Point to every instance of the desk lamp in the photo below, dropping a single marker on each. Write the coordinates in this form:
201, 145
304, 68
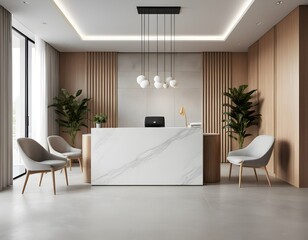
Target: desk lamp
183, 113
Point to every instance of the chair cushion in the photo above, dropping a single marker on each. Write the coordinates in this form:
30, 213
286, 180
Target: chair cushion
54, 163
238, 159
72, 154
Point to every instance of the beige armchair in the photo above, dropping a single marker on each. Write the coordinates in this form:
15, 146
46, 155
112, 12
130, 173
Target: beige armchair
255, 155
58, 146
39, 160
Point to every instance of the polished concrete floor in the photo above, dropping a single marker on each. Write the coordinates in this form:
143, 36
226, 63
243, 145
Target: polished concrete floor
218, 211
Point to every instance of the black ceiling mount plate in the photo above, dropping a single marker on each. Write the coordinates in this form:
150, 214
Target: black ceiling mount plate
158, 10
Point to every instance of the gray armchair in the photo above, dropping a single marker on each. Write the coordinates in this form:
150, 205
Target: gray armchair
255, 155
38, 160
58, 146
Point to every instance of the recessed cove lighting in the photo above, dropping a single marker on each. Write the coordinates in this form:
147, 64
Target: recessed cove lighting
279, 2
236, 19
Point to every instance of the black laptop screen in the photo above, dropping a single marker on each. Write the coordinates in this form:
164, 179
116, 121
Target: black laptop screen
152, 121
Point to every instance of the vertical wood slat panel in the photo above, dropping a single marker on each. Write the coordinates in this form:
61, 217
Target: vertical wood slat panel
266, 87
253, 71
216, 80
287, 128
101, 81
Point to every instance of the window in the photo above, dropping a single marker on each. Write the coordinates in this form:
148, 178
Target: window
22, 55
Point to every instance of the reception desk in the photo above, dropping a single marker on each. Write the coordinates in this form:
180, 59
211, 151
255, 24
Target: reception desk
146, 156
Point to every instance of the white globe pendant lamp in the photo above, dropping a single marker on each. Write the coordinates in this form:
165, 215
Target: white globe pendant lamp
157, 78
145, 83
158, 84
168, 79
144, 11
140, 78
173, 83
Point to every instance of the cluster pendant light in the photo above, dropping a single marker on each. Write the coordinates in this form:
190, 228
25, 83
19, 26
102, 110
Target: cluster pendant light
143, 79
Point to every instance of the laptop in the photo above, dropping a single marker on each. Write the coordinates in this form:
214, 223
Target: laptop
154, 121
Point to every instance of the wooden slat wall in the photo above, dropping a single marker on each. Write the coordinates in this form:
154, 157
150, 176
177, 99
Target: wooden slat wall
282, 84
72, 69
101, 79
239, 76
266, 87
281, 77
287, 99
253, 66
216, 80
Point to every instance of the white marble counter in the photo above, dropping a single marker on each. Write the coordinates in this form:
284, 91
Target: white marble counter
146, 156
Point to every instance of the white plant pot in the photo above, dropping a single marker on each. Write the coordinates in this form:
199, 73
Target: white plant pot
98, 125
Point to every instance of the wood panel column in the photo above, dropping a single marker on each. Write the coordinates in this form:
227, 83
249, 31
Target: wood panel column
266, 87
287, 99
101, 78
217, 77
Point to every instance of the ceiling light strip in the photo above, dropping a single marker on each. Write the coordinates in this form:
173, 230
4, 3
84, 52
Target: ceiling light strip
69, 17
153, 38
246, 5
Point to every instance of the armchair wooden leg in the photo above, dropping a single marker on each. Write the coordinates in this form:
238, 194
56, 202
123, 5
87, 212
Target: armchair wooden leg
256, 174
53, 181
80, 164
26, 181
240, 175
267, 176
230, 171
42, 174
70, 162
65, 173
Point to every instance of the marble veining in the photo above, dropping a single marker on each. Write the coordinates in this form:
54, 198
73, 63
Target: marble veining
191, 175
146, 156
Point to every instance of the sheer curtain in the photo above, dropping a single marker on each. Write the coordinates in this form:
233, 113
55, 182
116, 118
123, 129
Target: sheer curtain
6, 163
44, 88
38, 114
52, 83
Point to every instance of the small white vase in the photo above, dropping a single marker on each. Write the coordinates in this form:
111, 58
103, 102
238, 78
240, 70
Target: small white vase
98, 125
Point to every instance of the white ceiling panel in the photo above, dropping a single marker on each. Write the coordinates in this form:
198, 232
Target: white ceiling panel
109, 18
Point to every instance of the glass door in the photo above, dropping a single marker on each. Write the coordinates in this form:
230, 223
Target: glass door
22, 57
19, 96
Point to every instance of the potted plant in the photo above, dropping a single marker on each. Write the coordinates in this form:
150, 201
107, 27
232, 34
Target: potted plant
71, 112
241, 113
99, 119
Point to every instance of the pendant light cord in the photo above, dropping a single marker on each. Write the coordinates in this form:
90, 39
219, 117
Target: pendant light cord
157, 46
148, 46
144, 43
171, 45
164, 46
141, 46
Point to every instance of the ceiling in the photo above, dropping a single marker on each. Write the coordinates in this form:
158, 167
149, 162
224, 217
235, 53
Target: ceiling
114, 25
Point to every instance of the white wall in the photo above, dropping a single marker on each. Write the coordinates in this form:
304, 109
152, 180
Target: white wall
134, 103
